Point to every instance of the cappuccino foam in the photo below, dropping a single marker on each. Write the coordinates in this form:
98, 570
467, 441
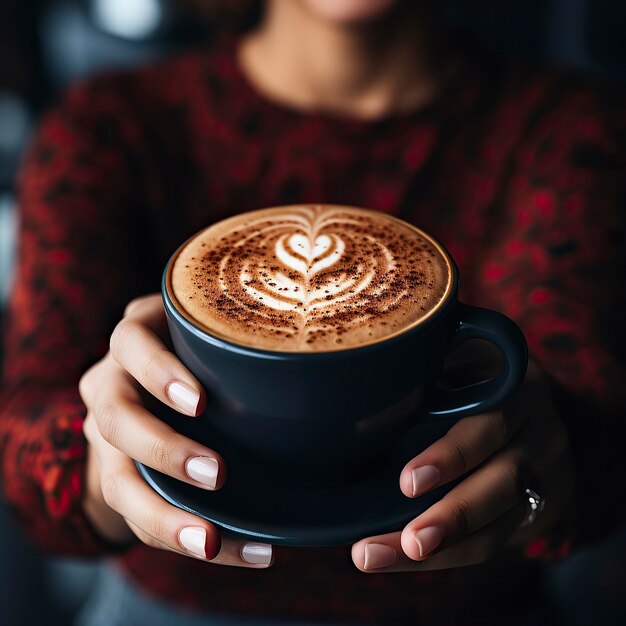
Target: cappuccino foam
308, 278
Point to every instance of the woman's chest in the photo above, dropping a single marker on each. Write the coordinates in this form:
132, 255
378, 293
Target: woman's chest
451, 185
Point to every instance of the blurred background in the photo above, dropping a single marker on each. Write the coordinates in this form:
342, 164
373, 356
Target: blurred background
46, 44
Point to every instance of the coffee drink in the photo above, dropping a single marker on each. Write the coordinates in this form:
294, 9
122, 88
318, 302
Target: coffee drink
309, 278
319, 333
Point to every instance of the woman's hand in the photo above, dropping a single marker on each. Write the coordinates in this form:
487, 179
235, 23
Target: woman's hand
524, 445
119, 429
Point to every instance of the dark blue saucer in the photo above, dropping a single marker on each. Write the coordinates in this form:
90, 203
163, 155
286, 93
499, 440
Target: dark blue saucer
255, 506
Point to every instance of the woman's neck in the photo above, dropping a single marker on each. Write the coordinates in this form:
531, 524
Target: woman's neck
364, 71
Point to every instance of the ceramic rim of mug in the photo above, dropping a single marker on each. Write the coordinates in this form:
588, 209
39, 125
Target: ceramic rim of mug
172, 304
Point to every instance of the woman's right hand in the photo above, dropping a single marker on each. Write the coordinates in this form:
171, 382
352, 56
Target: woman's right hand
119, 429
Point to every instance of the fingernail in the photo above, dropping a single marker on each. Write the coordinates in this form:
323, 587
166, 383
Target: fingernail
257, 553
428, 539
204, 469
378, 555
424, 478
183, 396
193, 539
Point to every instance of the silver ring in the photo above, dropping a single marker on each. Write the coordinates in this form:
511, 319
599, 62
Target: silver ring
536, 503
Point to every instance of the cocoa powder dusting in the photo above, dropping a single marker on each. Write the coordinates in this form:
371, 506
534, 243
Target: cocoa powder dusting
309, 278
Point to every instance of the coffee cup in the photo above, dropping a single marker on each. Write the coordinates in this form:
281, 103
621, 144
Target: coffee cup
323, 411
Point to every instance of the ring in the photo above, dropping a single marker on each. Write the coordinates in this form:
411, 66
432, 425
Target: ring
536, 506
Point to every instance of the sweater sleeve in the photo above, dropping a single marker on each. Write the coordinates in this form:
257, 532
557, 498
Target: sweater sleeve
556, 266
75, 271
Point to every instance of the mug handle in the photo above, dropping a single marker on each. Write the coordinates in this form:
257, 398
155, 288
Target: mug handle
478, 323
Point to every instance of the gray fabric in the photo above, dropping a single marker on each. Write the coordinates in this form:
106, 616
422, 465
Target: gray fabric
115, 601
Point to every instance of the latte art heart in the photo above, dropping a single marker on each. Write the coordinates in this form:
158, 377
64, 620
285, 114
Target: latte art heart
299, 253
309, 278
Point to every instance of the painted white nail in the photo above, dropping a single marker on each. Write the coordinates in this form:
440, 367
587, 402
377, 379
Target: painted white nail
204, 469
257, 553
424, 478
378, 555
193, 539
428, 539
183, 396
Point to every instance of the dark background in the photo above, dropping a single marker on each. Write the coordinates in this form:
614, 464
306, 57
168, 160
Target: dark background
46, 44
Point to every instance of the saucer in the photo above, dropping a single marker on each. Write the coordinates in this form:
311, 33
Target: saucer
254, 506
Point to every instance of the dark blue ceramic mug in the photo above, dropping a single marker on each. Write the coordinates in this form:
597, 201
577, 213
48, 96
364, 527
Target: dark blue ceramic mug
323, 418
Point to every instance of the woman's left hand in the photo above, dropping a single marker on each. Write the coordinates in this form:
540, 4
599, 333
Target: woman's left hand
522, 446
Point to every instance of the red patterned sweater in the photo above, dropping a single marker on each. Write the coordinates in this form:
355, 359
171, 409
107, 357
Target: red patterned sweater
521, 175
